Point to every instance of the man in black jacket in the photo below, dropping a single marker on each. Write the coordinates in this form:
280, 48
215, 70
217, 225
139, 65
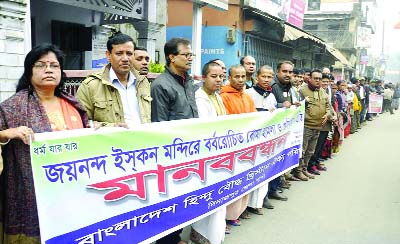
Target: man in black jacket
174, 97
286, 96
173, 91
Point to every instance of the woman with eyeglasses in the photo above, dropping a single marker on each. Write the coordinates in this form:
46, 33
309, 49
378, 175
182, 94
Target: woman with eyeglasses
39, 105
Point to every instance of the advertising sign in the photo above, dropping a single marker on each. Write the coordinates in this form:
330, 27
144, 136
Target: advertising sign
291, 11
375, 104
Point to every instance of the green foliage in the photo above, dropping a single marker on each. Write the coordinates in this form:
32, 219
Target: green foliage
156, 68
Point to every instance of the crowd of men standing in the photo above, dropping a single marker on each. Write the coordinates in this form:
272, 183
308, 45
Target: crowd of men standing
121, 95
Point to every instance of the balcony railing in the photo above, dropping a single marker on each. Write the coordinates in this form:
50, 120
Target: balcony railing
75, 78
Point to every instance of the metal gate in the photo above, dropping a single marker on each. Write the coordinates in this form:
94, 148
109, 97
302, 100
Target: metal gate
266, 52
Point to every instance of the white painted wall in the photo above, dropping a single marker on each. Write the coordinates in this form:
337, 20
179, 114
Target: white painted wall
11, 46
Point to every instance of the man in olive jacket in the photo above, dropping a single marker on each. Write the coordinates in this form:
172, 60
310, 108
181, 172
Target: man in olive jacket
317, 113
117, 95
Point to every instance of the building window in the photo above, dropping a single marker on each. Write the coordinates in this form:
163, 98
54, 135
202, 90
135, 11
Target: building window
310, 27
336, 27
314, 5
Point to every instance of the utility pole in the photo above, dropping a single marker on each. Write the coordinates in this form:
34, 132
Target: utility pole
382, 61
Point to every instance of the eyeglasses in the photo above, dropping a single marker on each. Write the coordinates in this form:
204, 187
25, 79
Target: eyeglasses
43, 66
187, 55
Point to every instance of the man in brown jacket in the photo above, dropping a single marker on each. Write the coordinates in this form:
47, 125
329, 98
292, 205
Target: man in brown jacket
317, 113
117, 95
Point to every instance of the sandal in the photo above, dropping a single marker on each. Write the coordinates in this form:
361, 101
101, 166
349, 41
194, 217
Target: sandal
245, 215
235, 222
197, 238
258, 211
227, 230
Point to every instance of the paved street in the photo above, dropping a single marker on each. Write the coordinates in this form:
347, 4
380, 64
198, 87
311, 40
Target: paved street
357, 201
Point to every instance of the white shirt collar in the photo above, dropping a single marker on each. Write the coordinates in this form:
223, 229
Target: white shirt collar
114, 78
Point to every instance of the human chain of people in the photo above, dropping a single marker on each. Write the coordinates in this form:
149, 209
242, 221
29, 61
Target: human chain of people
121, 95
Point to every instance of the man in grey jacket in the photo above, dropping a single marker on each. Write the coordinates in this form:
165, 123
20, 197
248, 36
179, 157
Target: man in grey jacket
173, 91
174, 97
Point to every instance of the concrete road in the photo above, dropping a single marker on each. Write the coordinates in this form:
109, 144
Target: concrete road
357, 201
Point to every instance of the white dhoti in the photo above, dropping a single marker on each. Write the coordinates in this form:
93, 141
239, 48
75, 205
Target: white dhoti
257, 196
212, 227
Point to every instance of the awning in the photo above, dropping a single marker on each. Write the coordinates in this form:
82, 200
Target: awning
124, 8
292, 33
338, 55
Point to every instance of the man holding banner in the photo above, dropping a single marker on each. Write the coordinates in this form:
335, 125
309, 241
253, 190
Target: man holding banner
117, 95
174, 97
237, 101
318, 112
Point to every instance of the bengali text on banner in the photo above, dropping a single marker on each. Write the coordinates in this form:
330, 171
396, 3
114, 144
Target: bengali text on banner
115, 185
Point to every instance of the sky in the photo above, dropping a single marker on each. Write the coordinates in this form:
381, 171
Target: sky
391, 16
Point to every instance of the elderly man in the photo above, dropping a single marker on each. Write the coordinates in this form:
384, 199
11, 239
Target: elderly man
326, 71
249, 64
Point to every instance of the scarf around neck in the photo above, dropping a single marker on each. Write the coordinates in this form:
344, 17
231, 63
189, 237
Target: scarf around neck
261, 91
312, 87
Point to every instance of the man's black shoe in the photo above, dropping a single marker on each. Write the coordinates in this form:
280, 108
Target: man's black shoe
313, 171
267, 204
277, 196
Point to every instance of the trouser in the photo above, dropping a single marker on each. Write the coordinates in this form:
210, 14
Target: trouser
274, 184
323, 135
387, 105
172, 238
310, 138
364, 110
395, 103
357, 115
355, 122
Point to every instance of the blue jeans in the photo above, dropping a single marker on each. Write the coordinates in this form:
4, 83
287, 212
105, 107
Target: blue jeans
363, 111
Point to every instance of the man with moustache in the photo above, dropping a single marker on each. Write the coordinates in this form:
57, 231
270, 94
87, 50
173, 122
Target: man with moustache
141, 60
282, 87
286, 96
117, 95
174, 97
317, 113
173, 91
